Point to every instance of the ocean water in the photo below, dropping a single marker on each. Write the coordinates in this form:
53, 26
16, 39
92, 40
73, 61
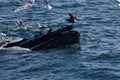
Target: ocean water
97, 59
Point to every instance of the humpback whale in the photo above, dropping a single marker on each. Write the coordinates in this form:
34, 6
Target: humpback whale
56, 39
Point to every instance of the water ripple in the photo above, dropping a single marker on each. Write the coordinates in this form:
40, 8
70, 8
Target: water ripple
97, 59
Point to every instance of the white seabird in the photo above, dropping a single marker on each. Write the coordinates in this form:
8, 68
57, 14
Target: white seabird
43, 27
26, 6
30, 4
2, 35
119, 2
47, 6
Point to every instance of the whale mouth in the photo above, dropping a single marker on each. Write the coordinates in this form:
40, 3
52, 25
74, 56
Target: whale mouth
14, 49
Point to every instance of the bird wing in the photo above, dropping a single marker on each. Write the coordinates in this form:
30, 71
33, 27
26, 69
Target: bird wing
26, 20
19, 23
31, 1
26, 6
46, 1
74, 16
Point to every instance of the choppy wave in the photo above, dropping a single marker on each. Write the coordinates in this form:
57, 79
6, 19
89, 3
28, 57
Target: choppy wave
98, 58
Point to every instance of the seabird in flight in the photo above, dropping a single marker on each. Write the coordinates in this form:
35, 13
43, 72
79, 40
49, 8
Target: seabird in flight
47, 6
20, 23
73, 18
26, 6
118, 1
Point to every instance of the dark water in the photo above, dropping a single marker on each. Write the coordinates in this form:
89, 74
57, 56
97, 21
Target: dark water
98, 58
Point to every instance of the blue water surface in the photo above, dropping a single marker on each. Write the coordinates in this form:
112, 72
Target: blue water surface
97, 59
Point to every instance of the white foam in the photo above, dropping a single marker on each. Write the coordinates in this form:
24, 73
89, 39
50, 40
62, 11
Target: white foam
18, 48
